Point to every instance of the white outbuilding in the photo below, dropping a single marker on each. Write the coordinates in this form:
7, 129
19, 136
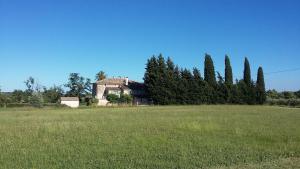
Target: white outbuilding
70, 101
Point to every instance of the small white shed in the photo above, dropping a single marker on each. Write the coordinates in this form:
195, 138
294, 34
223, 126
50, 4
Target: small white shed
70, 101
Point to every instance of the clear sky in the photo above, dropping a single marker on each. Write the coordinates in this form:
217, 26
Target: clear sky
48, 39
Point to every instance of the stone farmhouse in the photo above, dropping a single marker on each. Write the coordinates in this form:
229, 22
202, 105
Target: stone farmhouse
119, 86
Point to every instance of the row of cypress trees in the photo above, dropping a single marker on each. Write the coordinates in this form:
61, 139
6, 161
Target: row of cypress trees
166, 83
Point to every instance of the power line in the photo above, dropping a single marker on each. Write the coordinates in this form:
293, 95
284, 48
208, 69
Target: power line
275, 72
283, 71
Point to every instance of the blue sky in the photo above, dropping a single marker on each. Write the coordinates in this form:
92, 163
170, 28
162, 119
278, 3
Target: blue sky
48, 39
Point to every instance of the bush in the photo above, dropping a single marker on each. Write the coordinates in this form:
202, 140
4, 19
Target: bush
55, 105
13, 105
4, 100
297, 94
112, 98
36, 100
88, 101
288, 95
125, 99
95, 102
284, 102
294, 102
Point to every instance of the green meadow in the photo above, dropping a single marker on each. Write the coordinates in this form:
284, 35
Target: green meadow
217, 137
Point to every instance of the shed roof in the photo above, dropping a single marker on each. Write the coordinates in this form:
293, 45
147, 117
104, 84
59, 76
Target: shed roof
69, 99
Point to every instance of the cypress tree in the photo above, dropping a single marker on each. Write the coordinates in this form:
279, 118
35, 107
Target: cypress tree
197, 74
247, 72
222, 90
228, 71
170, 82
249, 91
179, 87
236, 96
197, 87
260, 87
209, 71
187, 79
161, 88
167, 84
151, 79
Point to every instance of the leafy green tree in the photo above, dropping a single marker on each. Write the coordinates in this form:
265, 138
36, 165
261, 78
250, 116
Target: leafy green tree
78, 86
18, 96
209, 71
53, 94
4, 100
288, 95
30, 84
34, 92
36, 100
273, 94
88, 87
228, 72
260, 87
100, 75
247, 73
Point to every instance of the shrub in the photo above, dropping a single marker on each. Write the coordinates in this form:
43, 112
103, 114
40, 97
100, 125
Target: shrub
36, 100
4, 100
125, 99
284, 102
293, 102
88, 101
112, 98
12, 105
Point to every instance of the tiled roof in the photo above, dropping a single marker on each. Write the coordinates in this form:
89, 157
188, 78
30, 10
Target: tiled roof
112, 81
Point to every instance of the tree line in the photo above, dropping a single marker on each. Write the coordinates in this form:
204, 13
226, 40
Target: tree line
37, 95
167, 83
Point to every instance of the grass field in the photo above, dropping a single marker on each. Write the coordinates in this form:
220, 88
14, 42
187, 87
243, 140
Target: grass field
218, 137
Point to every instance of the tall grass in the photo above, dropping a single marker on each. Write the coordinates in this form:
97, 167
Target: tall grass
149, 137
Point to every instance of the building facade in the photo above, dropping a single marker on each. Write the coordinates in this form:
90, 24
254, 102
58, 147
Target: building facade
119, 86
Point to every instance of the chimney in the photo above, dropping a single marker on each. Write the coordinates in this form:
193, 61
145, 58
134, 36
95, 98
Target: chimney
126, 81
